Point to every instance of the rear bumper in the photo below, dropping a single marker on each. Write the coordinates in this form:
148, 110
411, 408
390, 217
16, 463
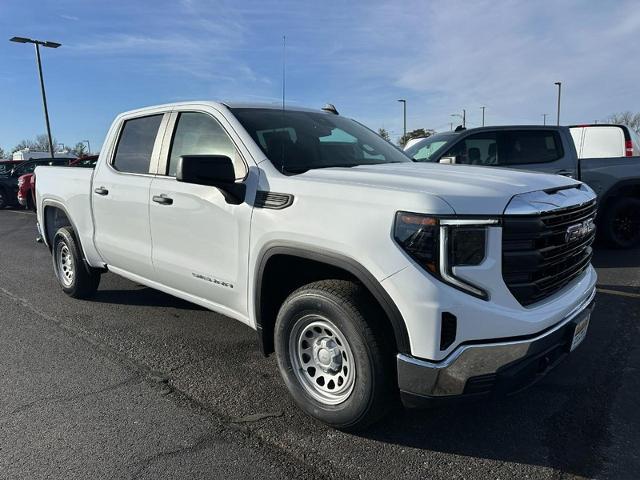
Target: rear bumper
481, 369
22, 201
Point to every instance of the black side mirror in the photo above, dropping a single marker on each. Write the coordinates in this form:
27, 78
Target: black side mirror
213, 170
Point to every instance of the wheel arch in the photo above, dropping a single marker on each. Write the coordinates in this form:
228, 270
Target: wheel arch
316, 264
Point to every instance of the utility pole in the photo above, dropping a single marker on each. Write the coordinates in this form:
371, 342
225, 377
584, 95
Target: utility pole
464, 118
48, 44
404, 116
451, 124
544, 118
559, 84
483, 115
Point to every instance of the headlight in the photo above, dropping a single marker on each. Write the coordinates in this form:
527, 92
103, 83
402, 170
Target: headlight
440, 244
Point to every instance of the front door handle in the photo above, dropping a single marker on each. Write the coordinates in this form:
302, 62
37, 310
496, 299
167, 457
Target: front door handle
565, 173
101, 191
163, 199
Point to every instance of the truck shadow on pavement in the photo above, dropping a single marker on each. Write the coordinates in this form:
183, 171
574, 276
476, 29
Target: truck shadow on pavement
143, 297
569, 421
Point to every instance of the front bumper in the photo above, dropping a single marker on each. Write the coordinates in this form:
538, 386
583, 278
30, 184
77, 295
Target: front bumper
477, 369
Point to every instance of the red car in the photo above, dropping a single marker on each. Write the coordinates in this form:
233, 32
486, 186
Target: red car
27, 190
27, 182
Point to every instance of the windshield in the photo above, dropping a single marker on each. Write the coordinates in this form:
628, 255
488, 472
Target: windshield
423, 150
297, 141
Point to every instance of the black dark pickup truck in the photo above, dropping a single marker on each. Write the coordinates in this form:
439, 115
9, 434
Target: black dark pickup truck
548, 149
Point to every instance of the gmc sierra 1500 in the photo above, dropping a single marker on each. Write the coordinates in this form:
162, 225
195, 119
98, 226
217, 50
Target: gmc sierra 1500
368, 274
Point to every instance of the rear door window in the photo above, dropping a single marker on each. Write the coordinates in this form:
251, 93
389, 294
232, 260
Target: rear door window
603, 142
521, 147
135, 146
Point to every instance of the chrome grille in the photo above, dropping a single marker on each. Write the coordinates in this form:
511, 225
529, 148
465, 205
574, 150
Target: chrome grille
538, 257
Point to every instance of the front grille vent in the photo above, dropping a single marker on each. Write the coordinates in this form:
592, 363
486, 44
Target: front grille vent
539, 254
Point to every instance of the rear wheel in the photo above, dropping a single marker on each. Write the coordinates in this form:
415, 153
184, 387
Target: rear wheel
621, 223
331, 354
76, 278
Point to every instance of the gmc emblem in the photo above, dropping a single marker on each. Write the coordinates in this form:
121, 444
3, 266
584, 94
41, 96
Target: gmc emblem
579, 231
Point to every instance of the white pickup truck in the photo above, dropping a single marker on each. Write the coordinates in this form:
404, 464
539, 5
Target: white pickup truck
371, 276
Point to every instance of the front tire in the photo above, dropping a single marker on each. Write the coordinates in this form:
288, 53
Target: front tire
621, 223
332, 355
77, 279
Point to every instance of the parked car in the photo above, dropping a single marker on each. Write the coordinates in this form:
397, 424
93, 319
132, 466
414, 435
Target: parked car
9, 182
605, 141
7, 165
549, 149
365, 272
26, 184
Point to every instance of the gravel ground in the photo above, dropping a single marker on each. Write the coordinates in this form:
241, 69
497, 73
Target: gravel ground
137, 384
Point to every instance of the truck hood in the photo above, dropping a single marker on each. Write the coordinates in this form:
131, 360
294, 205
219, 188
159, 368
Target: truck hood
467, 189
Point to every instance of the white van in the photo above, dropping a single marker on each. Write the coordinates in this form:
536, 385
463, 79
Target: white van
605, 140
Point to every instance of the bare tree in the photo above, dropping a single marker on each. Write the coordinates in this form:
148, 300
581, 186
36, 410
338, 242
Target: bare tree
79, 150
384, 134
40, 144
2, 153
632, 120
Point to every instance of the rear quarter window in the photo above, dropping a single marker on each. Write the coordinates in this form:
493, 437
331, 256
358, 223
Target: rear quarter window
135, 145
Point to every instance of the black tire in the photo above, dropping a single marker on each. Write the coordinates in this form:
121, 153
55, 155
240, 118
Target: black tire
348, 307
77, 279
620, 226
3, 199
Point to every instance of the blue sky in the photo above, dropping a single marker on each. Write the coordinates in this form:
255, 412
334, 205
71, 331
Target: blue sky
442, 56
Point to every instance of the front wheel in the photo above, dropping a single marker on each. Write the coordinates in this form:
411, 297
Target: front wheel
76, 278
621, 223
331, 354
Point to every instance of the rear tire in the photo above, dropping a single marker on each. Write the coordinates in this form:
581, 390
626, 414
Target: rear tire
77, 279
332, 354
621, 223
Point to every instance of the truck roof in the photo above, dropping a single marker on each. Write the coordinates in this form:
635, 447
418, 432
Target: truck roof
224, 104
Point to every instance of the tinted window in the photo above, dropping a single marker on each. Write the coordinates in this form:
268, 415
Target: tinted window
518, 147
135, 146
296, 141
201, 134
529, 146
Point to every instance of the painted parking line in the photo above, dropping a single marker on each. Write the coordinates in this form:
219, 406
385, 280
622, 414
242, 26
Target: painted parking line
21, 213
618, 292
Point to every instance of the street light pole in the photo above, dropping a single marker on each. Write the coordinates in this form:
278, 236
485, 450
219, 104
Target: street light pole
404, 116
464, 118
559, 84
483, 115
544, 118
48, 44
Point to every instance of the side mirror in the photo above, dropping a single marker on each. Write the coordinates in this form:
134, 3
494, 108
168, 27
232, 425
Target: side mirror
213, 170
448, 160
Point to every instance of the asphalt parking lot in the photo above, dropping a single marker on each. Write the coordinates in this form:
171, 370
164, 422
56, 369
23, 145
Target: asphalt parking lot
137, 384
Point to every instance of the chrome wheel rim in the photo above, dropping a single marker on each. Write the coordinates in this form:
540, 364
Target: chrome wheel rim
322, 359
66, 267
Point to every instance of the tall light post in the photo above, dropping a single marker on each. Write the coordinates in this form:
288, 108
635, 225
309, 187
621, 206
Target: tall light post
88, 146
559, 84
483, 115
544, 118
404, 117
48, 44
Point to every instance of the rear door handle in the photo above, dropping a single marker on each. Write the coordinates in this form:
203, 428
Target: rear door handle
163, 199
101, 191
565, 173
